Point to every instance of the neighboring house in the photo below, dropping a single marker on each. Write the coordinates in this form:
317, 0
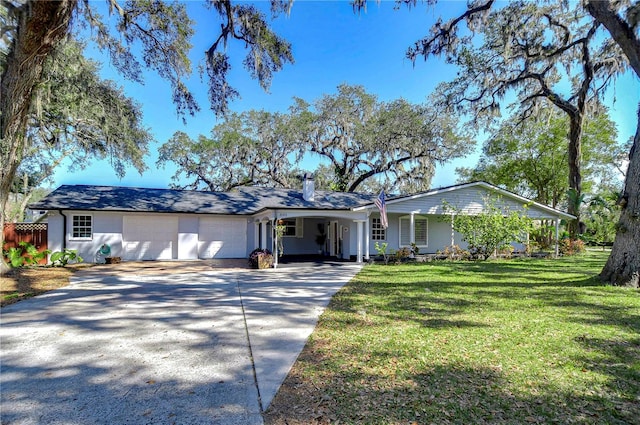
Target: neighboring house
162, 224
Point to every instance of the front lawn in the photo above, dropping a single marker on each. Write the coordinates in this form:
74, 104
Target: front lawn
519, 341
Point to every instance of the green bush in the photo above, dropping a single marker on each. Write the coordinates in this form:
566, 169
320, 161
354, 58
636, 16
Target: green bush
23, 255
571, 246
62, 258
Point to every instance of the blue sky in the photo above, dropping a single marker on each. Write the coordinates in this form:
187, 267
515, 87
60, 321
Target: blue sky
331, 45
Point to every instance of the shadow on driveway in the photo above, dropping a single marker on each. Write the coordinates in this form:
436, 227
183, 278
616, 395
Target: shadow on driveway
160, 348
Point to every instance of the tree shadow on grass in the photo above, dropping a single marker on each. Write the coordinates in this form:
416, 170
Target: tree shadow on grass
454, 394
328, 385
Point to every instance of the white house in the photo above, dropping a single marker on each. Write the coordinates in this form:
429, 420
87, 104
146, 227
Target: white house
163, 224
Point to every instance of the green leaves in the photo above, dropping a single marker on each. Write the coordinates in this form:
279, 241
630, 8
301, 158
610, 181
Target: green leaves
366, 141
359, 140
495, 228
268, 53
530, 157
79, 116
24, 254
62, 258
252, 148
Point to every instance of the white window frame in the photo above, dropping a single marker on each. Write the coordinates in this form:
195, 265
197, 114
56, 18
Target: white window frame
378, 233
412, 233
293, 223
74, 227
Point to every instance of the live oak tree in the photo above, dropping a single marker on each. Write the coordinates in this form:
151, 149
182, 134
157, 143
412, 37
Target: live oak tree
159, 30
536, 53
246, 149
621, 20
78, 117
359, 138
530, 157
364, 139
623, 266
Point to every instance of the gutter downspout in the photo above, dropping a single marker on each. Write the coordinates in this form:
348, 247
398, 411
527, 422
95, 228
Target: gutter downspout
64, 230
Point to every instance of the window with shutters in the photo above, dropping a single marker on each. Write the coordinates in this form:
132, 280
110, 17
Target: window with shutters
420, 230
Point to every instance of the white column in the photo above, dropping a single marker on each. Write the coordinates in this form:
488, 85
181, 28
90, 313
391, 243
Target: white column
359, 239
412, 229
453, 233
557, 236
256, 234
263, 230
275, 243
367, 237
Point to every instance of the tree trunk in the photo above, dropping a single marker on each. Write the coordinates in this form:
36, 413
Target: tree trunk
623, 265
40, 27
620, 31
575, 176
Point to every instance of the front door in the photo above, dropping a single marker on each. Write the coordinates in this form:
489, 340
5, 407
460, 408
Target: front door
334, 239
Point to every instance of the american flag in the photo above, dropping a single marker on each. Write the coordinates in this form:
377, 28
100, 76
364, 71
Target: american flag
382, 206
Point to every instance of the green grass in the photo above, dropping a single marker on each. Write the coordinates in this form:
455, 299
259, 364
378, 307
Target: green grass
519, 341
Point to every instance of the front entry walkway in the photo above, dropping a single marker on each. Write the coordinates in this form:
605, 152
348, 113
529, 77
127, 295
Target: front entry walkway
210, 346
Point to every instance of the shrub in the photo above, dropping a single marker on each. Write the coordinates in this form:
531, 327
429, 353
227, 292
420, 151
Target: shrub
491, 230
571, 246
454, 252
401, 254
24, 254
261, 259
62, 258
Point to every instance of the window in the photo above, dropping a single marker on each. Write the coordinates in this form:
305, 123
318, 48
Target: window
378, 233
292, 227
420, 231
82, 227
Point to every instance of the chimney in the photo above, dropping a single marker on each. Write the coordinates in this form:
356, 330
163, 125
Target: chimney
308, 188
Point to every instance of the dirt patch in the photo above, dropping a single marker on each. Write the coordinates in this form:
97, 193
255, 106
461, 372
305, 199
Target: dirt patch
26, 282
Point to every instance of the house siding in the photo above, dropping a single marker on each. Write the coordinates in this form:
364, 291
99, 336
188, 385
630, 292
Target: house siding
109, 228
438, 236
470, 200
174, 231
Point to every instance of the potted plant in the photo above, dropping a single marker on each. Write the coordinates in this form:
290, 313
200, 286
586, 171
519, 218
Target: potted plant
261, 259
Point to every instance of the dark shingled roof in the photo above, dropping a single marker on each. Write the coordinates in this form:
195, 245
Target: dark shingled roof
245, 200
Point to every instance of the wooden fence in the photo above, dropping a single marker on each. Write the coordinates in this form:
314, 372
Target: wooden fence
34, 233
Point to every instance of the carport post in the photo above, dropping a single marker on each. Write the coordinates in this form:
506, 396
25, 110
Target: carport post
275, 244
359, 243
366, 239
263, 229
557, 237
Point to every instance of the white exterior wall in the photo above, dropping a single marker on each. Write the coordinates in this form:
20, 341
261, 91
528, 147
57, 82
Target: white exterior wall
468, 200
188, 237
107, 229
182, 234
55, 231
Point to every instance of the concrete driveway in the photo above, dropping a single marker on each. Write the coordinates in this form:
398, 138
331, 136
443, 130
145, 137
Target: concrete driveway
187, 347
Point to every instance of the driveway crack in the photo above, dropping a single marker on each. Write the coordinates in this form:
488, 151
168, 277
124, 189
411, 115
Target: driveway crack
246, 329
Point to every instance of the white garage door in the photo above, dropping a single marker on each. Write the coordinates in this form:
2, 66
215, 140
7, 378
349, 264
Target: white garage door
149, 237
222, 237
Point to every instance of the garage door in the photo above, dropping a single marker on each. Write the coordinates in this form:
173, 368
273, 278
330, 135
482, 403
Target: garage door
222, 237
149, 237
